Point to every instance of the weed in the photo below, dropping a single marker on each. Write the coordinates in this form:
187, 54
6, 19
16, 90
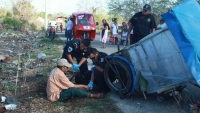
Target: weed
59, 104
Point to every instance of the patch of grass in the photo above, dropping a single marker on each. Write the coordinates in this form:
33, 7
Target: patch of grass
51, 47
11, 88
47, 70
25, 58
59, 104
104, 105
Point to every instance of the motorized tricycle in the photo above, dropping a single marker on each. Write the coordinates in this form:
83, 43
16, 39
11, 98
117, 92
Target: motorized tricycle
84, 25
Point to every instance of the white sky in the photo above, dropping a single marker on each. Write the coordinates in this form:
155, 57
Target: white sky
53, 6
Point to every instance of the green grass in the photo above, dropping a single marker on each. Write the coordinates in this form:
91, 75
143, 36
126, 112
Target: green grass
51, 47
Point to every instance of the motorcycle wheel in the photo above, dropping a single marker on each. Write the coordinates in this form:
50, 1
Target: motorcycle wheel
124, 82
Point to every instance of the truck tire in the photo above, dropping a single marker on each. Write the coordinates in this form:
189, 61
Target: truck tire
126, 82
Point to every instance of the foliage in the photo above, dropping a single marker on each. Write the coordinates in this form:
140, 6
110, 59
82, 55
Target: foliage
2, 12
41, 14
33, 26
8, 14
13, 23
127, 8
50, 16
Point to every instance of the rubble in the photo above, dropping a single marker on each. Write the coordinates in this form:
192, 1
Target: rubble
18, 71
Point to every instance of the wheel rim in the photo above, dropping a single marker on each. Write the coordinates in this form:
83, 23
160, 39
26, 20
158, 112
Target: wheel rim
117, 82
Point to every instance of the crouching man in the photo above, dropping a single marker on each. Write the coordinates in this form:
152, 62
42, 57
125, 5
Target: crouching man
59, 88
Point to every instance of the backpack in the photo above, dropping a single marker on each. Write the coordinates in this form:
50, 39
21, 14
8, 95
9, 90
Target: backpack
52, 30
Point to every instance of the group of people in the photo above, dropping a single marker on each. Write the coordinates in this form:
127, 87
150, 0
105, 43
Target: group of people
139, 26
113, 27
60, 88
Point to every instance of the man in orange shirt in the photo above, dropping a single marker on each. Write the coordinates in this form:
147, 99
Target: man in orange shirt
60, 88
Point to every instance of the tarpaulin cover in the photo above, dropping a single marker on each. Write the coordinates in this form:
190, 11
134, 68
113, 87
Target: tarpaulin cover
184, 24
170, 57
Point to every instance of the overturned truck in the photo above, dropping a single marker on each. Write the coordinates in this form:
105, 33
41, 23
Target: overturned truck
165, 60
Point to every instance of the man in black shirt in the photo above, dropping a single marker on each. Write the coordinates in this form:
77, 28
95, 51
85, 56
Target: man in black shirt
77, 48
142, 23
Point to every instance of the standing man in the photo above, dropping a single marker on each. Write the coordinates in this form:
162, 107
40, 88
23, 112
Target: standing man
61, 26
142, 23
77, 48
69, 29
59, 88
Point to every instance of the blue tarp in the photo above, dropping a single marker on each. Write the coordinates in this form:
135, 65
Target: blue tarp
184, 23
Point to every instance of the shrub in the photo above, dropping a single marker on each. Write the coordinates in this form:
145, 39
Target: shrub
33, 26
8, 14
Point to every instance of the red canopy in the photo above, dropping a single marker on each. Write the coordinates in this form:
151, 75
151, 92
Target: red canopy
61, 17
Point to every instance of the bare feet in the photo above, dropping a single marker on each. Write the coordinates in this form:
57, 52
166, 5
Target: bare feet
98, 95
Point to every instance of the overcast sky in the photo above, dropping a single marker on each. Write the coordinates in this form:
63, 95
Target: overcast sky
53, 6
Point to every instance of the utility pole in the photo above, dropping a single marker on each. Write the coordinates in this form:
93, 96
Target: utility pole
46, 14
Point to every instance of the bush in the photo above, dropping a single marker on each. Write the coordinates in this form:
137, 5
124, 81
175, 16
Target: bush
7, 22
43, 28
8, 14
33, 26
14, 23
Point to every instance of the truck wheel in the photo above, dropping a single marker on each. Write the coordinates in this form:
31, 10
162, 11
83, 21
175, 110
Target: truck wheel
122, 84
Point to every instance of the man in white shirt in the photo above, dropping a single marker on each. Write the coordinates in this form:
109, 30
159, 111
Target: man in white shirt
69, 29
161, 25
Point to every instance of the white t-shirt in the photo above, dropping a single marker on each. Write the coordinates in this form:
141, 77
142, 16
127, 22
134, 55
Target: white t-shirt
69, 25
161, 25
114, 29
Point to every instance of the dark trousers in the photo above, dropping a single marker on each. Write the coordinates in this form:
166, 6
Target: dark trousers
69, 35
73, 92
135, 38
99, 80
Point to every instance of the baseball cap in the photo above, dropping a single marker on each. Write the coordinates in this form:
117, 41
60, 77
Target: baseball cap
63, 62
147, 7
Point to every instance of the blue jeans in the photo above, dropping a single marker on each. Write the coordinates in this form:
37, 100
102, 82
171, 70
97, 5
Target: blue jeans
69, 35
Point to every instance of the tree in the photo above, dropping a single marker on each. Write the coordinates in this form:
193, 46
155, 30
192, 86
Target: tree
22, 9
42, 15
2, 12
90, 5
127, 8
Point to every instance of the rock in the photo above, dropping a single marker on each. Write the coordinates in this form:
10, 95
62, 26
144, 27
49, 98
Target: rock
41, 55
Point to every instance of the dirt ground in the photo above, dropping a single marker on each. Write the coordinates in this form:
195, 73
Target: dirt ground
31, 74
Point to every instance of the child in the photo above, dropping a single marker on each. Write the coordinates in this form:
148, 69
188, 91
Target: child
124, 33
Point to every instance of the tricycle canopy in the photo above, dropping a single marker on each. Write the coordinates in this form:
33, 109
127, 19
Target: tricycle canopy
84, 25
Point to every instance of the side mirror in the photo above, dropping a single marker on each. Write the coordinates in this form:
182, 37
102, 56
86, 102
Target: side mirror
97, 23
